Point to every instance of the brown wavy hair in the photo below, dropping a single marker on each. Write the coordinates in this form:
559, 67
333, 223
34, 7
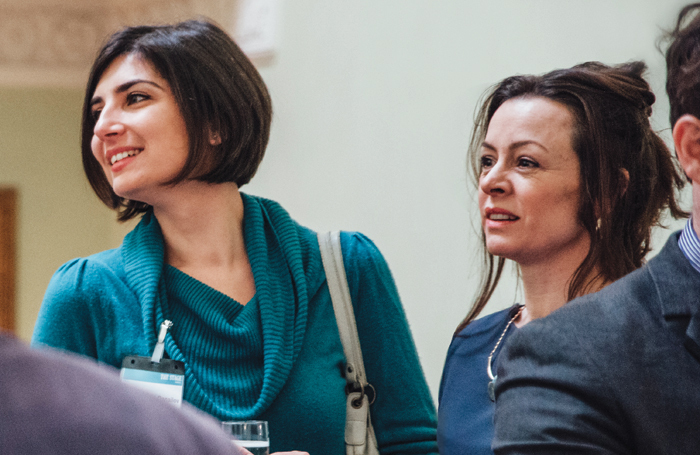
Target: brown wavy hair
610, 106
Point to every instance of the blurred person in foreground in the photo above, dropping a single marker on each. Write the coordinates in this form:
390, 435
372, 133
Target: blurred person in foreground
175, 120
56, 403
617, 372
571, 181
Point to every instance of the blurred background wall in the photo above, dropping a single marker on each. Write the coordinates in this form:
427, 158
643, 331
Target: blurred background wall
373, 111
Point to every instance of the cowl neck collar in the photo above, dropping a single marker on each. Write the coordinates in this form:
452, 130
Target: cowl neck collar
274, 249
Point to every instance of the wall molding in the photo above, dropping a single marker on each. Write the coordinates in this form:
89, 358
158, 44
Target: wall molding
51, 43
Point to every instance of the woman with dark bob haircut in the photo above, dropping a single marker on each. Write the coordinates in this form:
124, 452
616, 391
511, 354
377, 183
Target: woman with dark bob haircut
571, 178
176, 119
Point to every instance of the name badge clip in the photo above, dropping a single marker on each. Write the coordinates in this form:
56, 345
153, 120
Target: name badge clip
160, 345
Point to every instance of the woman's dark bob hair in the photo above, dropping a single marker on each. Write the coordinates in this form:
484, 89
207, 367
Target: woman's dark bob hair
628, 175
218, 90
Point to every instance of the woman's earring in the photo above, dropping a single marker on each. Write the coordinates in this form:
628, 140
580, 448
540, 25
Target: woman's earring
215, 139
598, 223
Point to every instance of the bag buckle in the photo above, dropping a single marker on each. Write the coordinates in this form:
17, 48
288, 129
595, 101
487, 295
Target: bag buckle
370, 392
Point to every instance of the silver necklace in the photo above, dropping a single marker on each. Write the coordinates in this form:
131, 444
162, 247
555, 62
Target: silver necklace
489, 372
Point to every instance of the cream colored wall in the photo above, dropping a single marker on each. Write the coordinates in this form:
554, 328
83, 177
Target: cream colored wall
373, 110
374, 103
59, 218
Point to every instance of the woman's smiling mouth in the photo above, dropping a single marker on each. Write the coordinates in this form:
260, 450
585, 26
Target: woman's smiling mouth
500, 215
121, 155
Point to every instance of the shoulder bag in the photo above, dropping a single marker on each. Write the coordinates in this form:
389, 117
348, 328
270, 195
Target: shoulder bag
359, 433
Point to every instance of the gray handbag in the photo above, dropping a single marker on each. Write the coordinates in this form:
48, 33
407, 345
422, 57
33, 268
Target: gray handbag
359, 433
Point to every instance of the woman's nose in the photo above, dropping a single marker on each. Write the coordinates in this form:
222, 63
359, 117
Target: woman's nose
108, 125
495, 180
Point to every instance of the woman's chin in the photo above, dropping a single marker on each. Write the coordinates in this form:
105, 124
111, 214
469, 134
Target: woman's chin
128, 193
504, 256
500, 250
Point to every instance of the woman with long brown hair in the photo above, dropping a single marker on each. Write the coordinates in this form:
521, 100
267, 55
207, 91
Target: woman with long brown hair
571, 180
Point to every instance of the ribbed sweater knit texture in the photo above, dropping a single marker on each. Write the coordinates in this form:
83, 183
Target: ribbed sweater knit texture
278, 357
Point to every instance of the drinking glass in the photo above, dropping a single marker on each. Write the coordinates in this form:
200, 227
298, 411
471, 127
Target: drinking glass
249, 434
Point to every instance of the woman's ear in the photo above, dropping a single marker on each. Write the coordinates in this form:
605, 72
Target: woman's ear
686, 138
214, 138
600, 211
625, 177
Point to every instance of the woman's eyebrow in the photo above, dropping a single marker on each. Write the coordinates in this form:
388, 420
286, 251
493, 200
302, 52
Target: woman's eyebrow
514, 145
486, 145
124, 87
519, 144
127, 85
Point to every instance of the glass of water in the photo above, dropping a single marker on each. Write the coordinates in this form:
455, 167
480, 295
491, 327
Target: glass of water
249, 434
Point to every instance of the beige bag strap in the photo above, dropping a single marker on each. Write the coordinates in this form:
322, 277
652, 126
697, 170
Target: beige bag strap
359, 433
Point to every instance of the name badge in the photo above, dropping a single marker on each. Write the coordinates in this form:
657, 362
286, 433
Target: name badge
165, 379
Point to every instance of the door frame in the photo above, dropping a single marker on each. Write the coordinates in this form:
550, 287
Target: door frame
8, 257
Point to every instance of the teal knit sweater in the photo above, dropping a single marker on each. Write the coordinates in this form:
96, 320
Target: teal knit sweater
278, 358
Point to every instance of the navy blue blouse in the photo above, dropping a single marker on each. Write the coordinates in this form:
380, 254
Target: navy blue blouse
465, 413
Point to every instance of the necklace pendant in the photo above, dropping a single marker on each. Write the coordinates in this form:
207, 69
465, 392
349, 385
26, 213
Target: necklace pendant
492, 388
